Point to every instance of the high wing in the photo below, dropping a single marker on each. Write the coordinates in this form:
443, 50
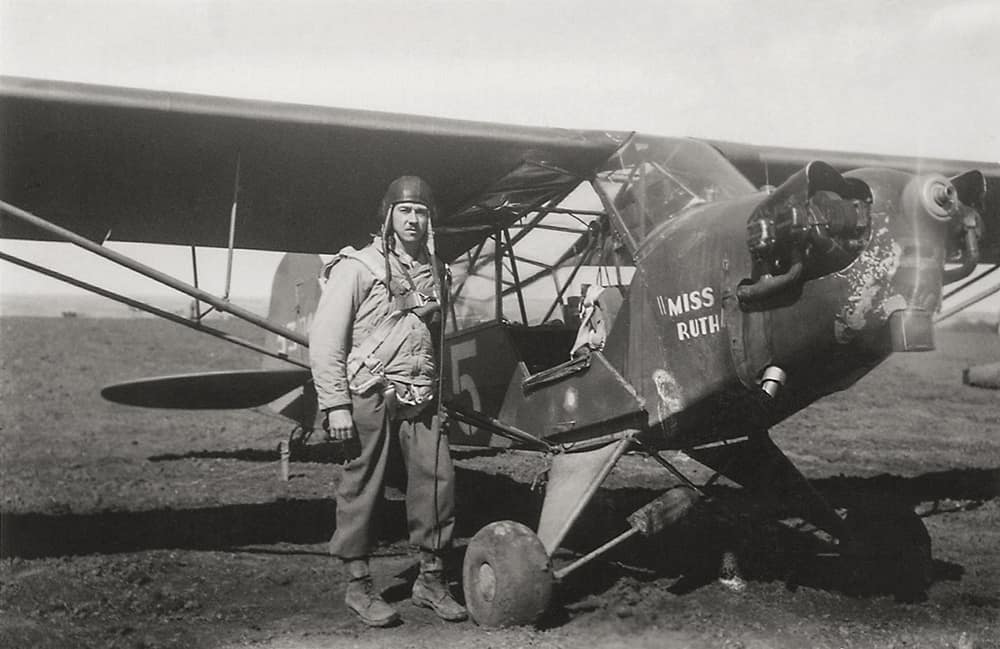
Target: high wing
764, 165
161, 167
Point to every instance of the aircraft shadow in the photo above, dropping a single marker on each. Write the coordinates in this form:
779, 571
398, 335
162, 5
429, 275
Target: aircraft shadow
689, 552
318, 452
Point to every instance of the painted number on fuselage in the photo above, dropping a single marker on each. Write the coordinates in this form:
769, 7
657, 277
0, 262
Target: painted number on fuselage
461, 381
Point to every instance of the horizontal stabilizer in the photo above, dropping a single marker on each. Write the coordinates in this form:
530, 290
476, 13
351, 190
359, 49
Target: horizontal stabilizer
208, 390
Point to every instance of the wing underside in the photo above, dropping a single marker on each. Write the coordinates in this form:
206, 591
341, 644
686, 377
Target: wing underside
158, 167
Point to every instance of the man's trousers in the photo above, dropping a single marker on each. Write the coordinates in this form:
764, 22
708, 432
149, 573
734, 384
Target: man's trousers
430, 477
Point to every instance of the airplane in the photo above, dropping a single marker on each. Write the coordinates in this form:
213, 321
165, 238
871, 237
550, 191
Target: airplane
612, 292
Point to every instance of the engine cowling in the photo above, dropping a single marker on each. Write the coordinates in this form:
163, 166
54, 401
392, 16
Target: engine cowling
815, 223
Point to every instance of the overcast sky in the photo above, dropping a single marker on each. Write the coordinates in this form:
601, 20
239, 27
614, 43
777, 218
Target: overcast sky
913, 77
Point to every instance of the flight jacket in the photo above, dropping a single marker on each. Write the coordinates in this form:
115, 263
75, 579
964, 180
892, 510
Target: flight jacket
356, 304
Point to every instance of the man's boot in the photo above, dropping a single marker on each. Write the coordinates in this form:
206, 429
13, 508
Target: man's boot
430, 590
362, 597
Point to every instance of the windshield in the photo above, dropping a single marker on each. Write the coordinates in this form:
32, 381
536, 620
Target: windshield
651, 179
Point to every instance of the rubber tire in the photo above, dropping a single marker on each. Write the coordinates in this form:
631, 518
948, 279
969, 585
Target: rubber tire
507, 576
890, 551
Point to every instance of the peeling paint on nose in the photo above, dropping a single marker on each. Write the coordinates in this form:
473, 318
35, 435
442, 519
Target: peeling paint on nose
872, 297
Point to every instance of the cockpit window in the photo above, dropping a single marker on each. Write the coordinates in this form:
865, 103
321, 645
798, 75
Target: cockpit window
650, 179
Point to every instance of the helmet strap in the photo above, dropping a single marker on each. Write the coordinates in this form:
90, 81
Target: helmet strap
387, 232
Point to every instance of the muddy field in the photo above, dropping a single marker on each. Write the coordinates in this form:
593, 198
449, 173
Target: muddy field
125, 527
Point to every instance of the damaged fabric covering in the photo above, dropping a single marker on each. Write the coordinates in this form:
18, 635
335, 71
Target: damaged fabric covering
647, 181
550, 250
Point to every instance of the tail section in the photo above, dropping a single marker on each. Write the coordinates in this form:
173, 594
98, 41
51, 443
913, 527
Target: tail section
295, 293
288, 390
209, 390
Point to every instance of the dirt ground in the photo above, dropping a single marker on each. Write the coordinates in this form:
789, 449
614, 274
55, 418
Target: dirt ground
125, 527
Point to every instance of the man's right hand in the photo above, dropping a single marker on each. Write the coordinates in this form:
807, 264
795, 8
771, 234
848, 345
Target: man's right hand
340, 423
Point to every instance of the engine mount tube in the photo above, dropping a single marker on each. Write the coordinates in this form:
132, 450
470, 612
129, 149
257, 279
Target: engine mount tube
970, 252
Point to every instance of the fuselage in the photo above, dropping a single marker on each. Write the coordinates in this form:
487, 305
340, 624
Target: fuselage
745, 305
697, 352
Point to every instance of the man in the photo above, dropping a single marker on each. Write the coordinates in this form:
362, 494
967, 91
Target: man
374, 357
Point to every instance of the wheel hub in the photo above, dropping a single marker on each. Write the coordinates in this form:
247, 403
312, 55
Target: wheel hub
487, 582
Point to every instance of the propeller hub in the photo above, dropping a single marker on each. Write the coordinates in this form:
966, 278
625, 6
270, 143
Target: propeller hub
939, 198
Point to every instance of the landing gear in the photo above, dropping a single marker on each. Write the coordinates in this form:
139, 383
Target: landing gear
884, 543
507, 575
889, 550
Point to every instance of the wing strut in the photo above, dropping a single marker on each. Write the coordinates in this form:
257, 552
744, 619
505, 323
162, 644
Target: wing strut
967, 303
514, 274
498, 274
970, 282
583, 261
152, 273
194, 278
232, 229
148, 308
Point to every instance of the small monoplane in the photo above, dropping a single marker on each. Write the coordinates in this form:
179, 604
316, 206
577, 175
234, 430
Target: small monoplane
612, 292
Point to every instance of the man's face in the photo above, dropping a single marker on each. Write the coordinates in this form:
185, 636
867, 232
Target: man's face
409, 221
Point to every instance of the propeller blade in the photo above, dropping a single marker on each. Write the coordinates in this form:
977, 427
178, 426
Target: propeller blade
208, 390
970, 187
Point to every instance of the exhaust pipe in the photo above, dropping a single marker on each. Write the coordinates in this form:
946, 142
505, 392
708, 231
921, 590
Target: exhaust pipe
911, 330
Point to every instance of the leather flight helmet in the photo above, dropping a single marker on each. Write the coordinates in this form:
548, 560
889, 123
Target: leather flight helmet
408, 189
